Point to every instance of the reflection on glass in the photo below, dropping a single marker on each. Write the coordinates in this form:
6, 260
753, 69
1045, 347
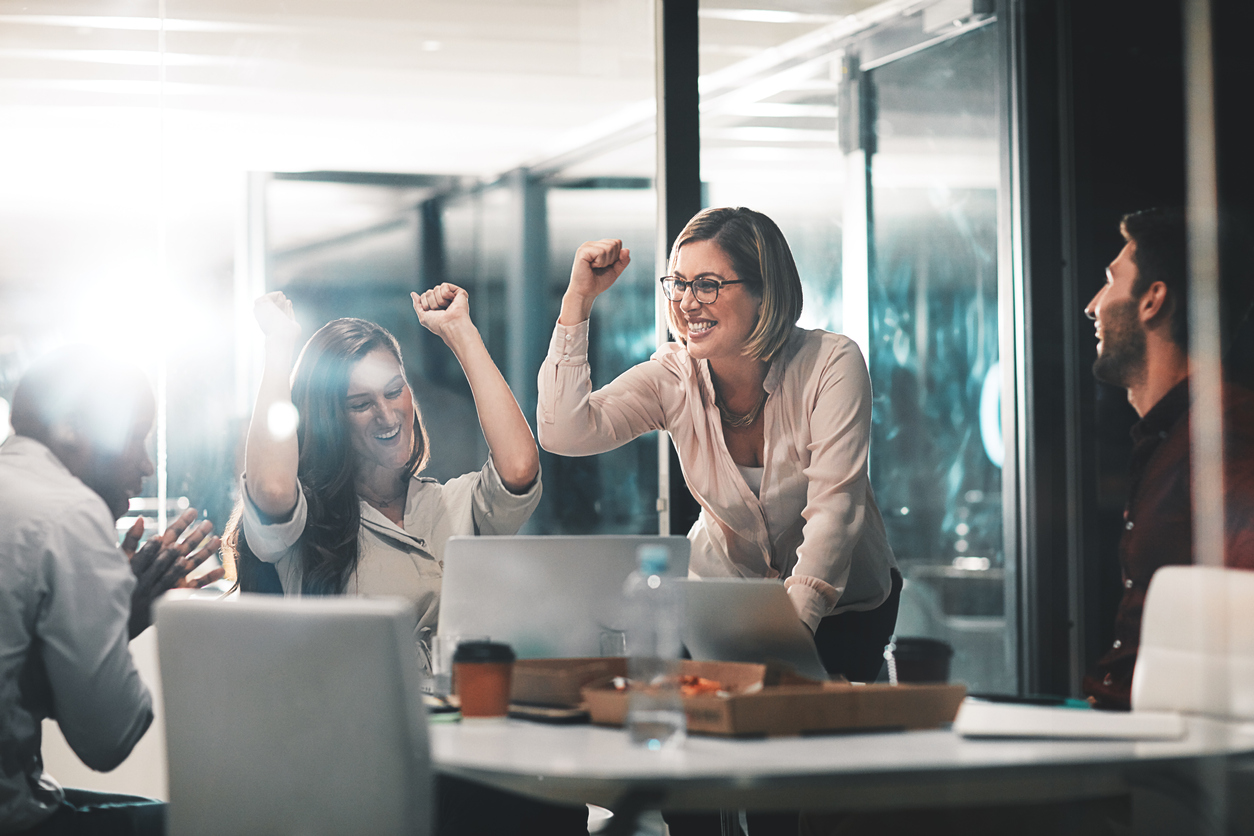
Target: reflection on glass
769, 137
131, 127
920, 295
937, 448
615, 492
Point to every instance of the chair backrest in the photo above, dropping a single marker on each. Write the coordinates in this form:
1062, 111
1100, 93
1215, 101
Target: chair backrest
294, 716
1197, 643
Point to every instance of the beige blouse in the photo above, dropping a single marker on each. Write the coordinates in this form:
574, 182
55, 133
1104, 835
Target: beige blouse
815, 523
407, 562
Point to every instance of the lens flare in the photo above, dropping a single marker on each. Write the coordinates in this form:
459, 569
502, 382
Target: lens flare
281, 421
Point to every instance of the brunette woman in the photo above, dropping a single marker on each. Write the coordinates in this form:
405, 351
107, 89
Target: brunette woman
337, 506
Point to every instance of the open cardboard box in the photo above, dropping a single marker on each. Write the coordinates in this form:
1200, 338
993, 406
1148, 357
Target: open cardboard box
560, 682
764, 700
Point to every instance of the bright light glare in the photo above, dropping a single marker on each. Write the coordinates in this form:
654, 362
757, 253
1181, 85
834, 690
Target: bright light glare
128, 316
975, 564
281, 420
5, 429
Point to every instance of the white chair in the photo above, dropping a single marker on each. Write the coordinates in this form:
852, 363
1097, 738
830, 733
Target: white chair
1197, 643
294, 716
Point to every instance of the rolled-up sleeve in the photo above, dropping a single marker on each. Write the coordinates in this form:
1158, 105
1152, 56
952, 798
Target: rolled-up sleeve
494, 509
836, 497
270, 540
572, 420
99, 700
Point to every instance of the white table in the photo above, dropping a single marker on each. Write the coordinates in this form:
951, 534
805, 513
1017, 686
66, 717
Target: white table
578, 764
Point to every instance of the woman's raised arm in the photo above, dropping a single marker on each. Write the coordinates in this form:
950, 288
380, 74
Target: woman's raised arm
444, 310
271, 454
571, 419
598, 264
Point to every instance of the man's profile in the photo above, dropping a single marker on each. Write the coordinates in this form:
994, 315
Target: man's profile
1142, 327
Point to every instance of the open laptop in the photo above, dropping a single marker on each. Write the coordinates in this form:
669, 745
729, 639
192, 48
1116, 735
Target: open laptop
548, 597
747, 620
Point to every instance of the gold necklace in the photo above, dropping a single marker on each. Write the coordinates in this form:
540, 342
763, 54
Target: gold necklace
733, 420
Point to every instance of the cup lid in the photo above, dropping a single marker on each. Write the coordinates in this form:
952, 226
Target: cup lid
483, 652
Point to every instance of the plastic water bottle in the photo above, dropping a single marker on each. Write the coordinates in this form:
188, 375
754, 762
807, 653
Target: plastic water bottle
655, 711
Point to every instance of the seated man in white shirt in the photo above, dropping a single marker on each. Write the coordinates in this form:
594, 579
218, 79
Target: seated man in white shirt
70, 598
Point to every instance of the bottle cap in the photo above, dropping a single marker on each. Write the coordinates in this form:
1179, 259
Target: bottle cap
653, 558
483, 652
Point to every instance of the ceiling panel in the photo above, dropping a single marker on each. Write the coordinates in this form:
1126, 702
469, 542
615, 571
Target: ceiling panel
119, 126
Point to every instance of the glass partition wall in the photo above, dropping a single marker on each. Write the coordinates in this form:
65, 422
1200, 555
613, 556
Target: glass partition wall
167, 161
875, 142
938, 446
171, 160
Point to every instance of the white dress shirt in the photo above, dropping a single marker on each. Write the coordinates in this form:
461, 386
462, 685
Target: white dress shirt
813, 521
65, 600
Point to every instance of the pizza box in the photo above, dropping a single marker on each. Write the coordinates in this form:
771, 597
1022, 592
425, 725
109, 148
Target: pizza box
560, 682
757, 700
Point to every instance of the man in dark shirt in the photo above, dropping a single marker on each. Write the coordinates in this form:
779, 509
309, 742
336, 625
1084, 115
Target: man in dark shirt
1141, 318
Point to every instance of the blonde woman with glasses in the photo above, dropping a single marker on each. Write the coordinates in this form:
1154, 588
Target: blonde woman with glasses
772, 423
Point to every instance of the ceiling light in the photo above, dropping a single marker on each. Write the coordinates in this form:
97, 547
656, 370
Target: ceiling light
765, 16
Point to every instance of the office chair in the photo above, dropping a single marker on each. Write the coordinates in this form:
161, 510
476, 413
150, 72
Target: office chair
1197, 643
293, 716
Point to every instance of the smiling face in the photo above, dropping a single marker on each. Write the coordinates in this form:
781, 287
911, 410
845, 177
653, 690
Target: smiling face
720, 329
1120, 334
380, 410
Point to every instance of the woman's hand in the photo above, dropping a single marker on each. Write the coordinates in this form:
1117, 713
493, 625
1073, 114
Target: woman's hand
598, 264
274, 314
444, 310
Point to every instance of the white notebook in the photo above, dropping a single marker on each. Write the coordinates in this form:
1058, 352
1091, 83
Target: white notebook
982, 718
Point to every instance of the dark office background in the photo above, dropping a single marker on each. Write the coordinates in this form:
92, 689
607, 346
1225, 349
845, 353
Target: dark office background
1105, 133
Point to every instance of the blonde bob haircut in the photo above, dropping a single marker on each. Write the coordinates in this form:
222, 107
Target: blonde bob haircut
761, 258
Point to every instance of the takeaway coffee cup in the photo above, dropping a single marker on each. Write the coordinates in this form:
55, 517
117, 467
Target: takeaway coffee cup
481, 678
915, 659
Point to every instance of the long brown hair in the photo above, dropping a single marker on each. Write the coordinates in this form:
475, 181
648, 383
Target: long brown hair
328, 547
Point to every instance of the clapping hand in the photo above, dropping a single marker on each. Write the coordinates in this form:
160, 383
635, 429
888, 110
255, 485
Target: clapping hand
166, 562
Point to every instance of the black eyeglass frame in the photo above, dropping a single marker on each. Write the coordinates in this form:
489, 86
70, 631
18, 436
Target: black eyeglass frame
684, 284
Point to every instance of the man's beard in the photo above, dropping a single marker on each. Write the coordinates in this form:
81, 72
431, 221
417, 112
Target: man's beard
1122, 358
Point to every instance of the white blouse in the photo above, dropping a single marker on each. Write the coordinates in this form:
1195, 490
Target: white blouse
815, 522
407, 562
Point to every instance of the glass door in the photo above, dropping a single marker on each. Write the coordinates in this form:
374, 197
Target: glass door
928, 145
873, 134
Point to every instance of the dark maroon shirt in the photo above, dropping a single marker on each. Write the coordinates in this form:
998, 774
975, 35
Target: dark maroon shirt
1158, 519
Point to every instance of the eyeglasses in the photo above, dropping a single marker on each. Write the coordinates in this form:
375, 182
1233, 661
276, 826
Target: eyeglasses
706, 290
